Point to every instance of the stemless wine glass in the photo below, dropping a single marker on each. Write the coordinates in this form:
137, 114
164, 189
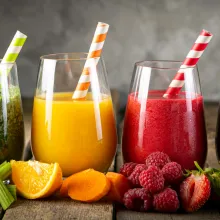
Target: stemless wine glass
173, 125
11, 114
78, 134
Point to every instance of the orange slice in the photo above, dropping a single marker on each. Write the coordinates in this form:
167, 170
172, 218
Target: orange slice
36, 180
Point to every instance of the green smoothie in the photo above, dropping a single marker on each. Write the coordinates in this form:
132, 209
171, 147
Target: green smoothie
11, 125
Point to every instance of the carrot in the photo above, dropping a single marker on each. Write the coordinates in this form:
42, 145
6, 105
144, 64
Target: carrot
64, 187
119, 186
87, 186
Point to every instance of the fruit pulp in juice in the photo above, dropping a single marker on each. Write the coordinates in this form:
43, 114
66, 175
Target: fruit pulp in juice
76, 134
175, 126
11, 125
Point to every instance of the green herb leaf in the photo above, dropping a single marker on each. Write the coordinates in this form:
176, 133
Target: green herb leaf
214, 178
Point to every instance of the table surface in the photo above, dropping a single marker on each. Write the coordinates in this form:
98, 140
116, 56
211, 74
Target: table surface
54, 208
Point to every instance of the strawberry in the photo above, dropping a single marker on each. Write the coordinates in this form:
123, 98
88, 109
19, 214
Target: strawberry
195, 190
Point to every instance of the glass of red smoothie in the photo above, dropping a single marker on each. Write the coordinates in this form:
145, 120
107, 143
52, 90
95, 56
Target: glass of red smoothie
174, 125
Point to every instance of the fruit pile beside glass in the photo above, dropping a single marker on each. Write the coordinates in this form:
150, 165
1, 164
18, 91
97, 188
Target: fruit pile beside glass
74, 135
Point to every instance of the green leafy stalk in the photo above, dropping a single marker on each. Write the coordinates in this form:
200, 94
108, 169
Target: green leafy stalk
1, 165
12, 190
6, 199
214, 177
7, 192
198, 167
5, 171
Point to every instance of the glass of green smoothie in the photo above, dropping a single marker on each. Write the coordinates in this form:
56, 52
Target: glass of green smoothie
11, 114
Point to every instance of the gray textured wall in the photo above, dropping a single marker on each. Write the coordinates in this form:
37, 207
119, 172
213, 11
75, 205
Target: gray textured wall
142, 29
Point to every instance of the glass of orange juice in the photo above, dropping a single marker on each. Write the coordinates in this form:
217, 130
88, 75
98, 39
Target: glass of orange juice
78, 134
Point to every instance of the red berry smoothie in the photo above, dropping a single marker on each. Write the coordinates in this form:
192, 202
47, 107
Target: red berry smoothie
175, 126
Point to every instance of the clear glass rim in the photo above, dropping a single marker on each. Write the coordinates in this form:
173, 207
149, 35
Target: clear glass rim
80, 56
143, 64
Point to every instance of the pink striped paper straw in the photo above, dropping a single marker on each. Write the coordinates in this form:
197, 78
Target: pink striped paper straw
191, 60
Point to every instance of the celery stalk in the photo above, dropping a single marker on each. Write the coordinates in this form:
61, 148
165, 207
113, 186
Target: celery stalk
5, 171
2, 164
6, 199
12, 190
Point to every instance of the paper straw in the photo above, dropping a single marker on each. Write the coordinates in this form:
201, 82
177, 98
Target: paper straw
8, 61
191, 60
14, 49
95, 53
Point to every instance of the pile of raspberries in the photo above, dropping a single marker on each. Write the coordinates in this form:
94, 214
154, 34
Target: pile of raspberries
153, 184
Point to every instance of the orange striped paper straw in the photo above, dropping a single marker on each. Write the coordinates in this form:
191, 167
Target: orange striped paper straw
94, 54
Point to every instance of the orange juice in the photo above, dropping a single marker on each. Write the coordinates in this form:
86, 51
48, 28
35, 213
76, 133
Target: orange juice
76, 134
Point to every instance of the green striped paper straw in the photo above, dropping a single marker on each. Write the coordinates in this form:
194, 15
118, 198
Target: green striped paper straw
14, 49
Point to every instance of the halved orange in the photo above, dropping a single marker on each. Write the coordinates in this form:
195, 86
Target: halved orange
34, 179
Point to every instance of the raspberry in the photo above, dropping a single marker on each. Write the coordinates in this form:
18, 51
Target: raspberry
172, 173
166, 201
138, 199
127, 169
152, 179
134, 177
158, 159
